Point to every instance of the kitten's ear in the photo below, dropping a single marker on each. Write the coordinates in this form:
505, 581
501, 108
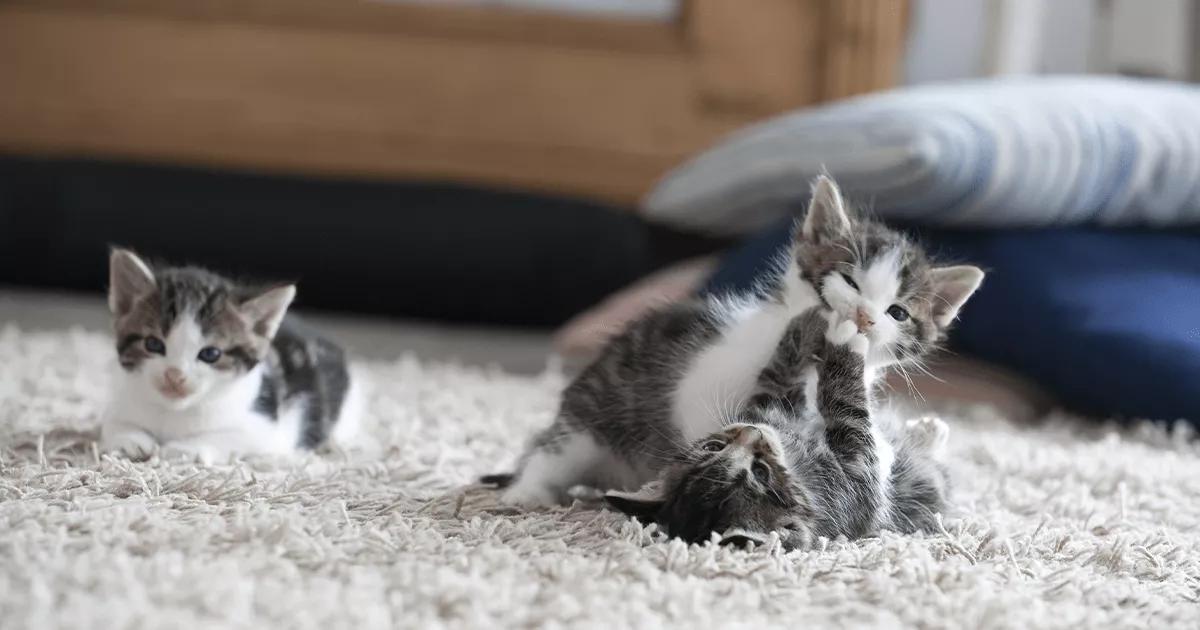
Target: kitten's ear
642, 505
826, 218
951, 288
266, 311
128, 279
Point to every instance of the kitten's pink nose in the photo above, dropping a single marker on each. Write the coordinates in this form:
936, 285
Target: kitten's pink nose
174, 376
863, 320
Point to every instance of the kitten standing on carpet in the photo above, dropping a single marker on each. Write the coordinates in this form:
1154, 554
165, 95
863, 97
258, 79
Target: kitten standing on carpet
666, 390
213, 368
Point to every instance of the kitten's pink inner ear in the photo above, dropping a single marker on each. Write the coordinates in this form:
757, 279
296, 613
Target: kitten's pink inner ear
265, 312
826, 216
128, 279
951, 288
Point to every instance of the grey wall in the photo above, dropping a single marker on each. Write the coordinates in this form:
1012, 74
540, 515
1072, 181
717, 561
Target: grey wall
945, 40
953, 39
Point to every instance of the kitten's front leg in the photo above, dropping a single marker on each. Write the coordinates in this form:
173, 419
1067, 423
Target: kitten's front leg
132, 442
842, 398
843, 403
780, 381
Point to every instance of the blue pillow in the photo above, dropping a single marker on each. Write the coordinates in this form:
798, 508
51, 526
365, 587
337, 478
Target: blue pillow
1021, 152
1107, 321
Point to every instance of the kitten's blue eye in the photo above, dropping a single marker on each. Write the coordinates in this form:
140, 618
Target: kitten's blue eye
761, 472
897, 312
713, 446
850, 281
209, 354
154, 345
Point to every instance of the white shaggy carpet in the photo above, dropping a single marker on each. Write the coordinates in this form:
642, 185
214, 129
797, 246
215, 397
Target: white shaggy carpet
1061, 525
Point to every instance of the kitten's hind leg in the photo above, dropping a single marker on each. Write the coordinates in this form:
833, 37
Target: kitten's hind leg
551, 467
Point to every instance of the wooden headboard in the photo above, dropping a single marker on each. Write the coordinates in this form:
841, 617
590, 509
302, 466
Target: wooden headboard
594, 107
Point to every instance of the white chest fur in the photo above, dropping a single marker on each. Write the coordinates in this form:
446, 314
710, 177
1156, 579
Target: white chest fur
722, 376
223, 423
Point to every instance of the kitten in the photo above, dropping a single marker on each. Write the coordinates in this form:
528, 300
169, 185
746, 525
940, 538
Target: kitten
802, 470
212, 368
682, 373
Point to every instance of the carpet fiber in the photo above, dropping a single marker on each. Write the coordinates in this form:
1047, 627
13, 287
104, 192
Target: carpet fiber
1060, 525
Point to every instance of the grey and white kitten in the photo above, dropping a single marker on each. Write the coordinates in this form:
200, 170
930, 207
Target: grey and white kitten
212, 368
673, 382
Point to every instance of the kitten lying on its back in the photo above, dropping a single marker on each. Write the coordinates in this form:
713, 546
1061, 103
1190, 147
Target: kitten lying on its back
211, 368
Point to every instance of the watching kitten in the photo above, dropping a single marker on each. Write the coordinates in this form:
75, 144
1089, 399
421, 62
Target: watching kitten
684, 373
212, 368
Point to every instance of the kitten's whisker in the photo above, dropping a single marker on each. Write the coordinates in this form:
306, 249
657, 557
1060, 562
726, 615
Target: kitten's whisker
710, 408
919, 364
731, 407
912, 388
902, 370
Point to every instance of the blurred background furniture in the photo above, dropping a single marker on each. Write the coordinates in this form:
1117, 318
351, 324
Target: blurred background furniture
585, 105
451, 160
487, 161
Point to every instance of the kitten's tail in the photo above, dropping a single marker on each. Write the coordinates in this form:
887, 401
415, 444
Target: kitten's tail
500, 480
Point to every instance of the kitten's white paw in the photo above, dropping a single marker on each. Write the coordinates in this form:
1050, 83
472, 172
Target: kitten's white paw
859, 344
134, 444
528, 496
841, 332
202, 453
930, 433
845, 333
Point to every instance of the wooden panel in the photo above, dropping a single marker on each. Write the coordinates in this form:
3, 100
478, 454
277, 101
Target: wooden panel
599, 123
463, 21
864, 45
585, 106
762, 60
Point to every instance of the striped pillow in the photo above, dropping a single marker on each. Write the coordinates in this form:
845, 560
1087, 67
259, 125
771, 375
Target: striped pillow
999, 153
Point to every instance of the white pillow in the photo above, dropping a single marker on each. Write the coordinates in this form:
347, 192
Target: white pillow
997, 153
